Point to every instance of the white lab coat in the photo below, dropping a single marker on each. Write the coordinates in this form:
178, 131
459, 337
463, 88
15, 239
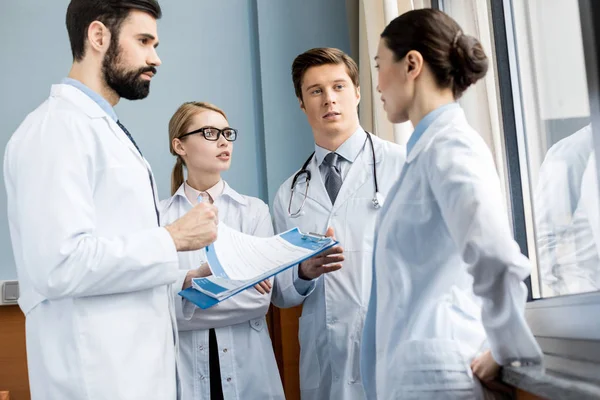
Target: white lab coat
445, 267
567, 254
334, 310
93, 264
248, 367
587, 215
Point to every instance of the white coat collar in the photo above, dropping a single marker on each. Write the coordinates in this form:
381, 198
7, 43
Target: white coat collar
79, 99
359, 173
88, 106
379, 150
449, 116
227, 191
349, 150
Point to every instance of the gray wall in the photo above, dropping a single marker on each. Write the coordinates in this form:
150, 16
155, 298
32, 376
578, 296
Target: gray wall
286, 29
233, 53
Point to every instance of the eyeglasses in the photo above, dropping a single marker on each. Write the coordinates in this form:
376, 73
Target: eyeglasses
213, 134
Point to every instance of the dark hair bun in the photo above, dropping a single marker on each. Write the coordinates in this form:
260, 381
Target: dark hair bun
468, 60
456, 60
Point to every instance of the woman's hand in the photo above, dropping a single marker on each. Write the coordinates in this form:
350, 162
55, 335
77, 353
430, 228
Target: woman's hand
485, 367
201, 272
263, 287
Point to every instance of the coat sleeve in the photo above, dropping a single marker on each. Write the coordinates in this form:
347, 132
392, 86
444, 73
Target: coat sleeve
286, 293
566, 250
245, 306
466, 186
49, 169
583, 274
552, 217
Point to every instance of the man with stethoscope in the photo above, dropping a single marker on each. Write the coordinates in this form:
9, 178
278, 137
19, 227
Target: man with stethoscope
338, 191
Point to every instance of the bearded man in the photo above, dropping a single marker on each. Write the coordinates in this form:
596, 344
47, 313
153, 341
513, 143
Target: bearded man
94, 265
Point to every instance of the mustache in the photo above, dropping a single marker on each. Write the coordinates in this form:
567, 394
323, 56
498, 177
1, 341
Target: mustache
146, 69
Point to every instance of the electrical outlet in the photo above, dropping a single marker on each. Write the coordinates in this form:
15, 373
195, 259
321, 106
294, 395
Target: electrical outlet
9, 292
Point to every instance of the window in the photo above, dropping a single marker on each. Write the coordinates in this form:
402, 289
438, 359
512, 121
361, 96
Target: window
547, 80
558, 146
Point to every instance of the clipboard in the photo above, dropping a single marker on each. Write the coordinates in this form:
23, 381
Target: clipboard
209, 291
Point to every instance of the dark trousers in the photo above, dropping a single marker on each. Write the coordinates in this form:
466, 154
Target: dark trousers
216, 390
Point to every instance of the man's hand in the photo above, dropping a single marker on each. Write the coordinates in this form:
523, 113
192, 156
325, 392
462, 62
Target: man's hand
485, 367
326, 262
263, 287
196, 229
200, 272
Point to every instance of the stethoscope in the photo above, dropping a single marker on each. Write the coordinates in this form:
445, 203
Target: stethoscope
377, 197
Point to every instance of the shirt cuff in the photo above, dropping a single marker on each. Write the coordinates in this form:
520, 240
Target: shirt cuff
302, 285
184, 309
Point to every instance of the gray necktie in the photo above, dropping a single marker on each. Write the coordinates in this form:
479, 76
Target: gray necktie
333, 177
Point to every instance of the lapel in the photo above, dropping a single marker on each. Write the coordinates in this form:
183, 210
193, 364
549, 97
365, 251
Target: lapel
118, 132
359, 173
316, 188
94, 111
445, 119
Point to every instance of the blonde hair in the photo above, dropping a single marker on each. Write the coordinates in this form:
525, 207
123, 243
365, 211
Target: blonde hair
179, 126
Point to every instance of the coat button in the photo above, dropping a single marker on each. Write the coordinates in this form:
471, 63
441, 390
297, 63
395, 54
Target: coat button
228, 379
224, 350
201, 348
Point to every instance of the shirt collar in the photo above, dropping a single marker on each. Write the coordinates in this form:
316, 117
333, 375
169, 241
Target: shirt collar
425, 123
101, 101
214, 192
226, 191
349, 150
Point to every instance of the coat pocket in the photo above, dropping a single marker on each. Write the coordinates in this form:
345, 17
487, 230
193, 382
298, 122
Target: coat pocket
310, 370
359, 225
432, 368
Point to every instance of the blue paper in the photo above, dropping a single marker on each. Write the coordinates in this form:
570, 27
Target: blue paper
198, 298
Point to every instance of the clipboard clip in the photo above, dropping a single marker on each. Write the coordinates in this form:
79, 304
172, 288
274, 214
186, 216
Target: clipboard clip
313, 237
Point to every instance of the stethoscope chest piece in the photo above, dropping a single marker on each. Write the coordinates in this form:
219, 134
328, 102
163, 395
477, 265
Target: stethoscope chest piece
378, 200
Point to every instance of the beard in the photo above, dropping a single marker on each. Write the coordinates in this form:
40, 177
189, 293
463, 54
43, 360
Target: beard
127, 83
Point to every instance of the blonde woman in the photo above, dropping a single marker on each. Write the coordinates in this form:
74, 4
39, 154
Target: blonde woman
225, 351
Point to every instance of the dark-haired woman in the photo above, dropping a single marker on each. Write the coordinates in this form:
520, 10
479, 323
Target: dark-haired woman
447, 299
